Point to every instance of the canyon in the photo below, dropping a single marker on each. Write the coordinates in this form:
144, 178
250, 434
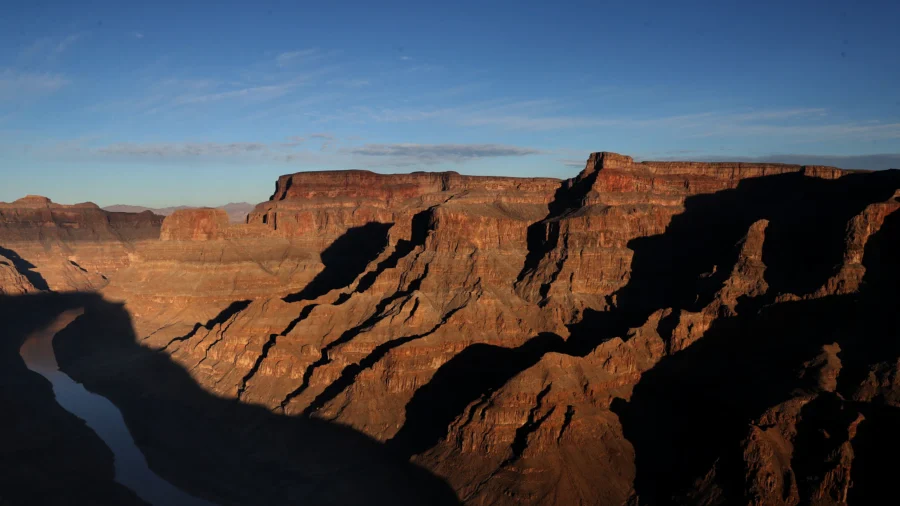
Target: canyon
644, 333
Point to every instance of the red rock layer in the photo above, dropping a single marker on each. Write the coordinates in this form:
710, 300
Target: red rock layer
71, 247
644, 333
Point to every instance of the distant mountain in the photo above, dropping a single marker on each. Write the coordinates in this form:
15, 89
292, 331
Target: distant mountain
237, 211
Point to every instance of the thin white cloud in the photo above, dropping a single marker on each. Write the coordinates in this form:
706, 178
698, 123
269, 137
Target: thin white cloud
16, 85
50, 47
293, 141
250, 93
406, 58
789, 123
429, 154
810, 132
572, 162
183, 150
64, 44
292, 57
137, 35
350, 83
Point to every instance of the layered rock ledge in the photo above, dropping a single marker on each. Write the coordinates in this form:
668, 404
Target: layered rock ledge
642, 333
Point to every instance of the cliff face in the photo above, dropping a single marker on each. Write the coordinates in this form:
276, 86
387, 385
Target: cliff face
70, 247
643, 333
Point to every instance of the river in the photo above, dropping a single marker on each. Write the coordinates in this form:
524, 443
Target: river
101, 415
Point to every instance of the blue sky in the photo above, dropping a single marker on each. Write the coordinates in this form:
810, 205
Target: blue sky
187, 103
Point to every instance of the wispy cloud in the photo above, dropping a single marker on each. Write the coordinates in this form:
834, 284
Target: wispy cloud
251, 93
797, 124
16, 85
820, 131
183, 150
572, 162
64, 44
350, 83
702, 120
429, 154
406, 58
327, 140
137, 35
51, 47
292, 57
293, 141
287, 149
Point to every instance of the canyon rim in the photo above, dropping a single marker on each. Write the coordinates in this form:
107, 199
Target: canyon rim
644, 333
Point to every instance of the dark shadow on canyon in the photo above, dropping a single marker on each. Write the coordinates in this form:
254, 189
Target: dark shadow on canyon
473, 373
218, 449
690, 412
47, 455
543, 236
695, 405
684, 267
24, 268
345, 259
420, 225
223, 316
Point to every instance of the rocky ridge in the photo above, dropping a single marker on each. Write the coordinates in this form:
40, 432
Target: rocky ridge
535, 341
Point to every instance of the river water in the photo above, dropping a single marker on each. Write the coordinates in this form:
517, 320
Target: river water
104, 418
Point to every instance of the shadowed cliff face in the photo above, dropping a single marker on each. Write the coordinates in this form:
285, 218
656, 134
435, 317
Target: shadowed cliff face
345, 259
228, 452
654, 333
47, 455
24, 268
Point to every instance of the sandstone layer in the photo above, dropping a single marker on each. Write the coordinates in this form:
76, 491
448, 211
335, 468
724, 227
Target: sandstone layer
643, 333
70, 247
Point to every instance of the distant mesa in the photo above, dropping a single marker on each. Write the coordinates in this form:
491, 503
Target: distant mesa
237, 211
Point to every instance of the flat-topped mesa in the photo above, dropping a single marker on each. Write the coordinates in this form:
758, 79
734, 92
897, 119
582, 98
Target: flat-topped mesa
72, 247
618, 178
363, 184
719, 170
36, 218
328, 203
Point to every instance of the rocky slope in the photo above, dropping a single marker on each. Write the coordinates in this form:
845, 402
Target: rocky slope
643, 333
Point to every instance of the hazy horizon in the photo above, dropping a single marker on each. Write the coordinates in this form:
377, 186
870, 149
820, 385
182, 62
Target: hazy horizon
169, 104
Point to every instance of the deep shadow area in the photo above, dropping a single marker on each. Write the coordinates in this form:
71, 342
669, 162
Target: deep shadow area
875, 448
821, 430
47, 455
684, 267
694, 407
218, 449
421, 224
873, 352
473, 373
690, 412
543, 236
345, 259
24, 268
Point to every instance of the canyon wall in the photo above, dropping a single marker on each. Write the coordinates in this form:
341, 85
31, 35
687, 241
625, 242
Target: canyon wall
70, 247
643, 333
